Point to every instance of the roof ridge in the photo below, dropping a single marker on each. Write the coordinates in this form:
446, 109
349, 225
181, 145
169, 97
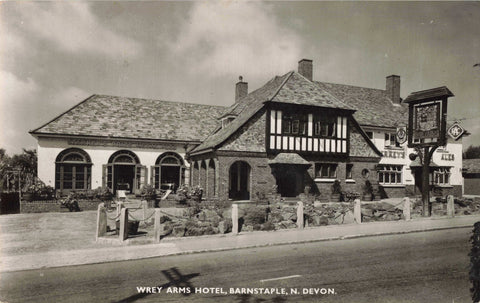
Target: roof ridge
357, 86
63, 113
159, 100
281, 85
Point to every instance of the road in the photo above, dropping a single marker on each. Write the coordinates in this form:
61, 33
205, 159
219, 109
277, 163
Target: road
417, 267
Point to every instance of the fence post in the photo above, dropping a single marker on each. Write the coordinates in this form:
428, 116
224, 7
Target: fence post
300, 215
101, 221
234, 218
357, 211
157, 226
450, 206
123, 224
406, 209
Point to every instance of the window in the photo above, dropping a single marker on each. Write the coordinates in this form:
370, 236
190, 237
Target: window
349, 174
324, 126
390, 140
390, 174
441, 176
369, 135
295, 124
73, 170
325, 170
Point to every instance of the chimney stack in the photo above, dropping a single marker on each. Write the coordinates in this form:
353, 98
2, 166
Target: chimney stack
305, 68
241, 89
393, 88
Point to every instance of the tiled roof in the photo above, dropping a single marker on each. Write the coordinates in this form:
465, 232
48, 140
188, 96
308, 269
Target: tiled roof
121, 117
472, 166
289, 88
288, 158
374, 107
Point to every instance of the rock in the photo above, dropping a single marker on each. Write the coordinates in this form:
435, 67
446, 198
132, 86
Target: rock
367, 212
391, 217
225, 226
227, 214
178, 231
348, 218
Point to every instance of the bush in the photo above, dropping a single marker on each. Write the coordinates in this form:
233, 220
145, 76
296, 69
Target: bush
148, 192
474, 254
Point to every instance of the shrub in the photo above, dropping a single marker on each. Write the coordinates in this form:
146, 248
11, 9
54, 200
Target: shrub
255, 215
148, 192
474, 254
103, 193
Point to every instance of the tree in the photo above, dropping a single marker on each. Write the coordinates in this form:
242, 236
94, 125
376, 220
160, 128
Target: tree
26, 165
472, 152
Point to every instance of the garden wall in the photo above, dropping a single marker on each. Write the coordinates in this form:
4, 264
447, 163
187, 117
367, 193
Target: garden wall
54, 206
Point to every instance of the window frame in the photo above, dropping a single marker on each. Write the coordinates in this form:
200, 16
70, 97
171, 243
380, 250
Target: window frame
330, 167
388, 172
442, 173
323, 121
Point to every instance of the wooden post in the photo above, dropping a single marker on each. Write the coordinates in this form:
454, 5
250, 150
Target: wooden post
234, 218
450, 206
300, 215
406, 209
101, 221
157, 226
123, 224
357, 211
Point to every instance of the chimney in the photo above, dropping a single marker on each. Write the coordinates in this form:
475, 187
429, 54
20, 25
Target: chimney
393, 88
241, 89
305, 68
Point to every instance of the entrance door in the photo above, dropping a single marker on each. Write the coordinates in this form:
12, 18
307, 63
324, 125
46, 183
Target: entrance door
124, 177
171, 175
290, 181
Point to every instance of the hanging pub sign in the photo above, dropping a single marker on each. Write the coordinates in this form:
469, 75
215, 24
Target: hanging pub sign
427, 111
401, 134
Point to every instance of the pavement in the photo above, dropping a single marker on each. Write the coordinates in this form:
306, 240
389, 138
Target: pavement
93, 253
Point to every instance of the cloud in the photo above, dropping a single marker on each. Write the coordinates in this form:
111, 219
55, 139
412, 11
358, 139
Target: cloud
14, 111
72, 27
25, 105
232, 38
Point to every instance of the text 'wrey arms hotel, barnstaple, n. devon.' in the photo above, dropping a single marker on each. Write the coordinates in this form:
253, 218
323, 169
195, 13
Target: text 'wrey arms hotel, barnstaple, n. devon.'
289, 134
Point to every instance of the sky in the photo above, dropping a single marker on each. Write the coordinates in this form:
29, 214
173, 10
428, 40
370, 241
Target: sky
55, 54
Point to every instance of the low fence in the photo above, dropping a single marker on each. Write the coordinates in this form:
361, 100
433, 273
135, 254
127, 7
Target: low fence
54, 206
250, 216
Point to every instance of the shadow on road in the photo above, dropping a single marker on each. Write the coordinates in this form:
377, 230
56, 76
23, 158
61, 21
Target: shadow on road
175, 279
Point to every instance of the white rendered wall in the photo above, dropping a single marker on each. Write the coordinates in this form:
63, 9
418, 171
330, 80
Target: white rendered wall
452, 147
49, 148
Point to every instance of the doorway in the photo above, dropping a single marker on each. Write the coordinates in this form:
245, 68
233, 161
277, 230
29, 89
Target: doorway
290, 180
124, 176
239, 185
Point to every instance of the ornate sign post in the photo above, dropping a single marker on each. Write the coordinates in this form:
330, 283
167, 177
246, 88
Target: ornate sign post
427, 123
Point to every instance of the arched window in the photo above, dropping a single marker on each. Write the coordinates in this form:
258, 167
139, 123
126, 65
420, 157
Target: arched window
124, 172
73, 170
169, 171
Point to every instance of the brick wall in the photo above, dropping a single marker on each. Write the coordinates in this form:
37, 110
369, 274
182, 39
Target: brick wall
54, 206
261, 178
